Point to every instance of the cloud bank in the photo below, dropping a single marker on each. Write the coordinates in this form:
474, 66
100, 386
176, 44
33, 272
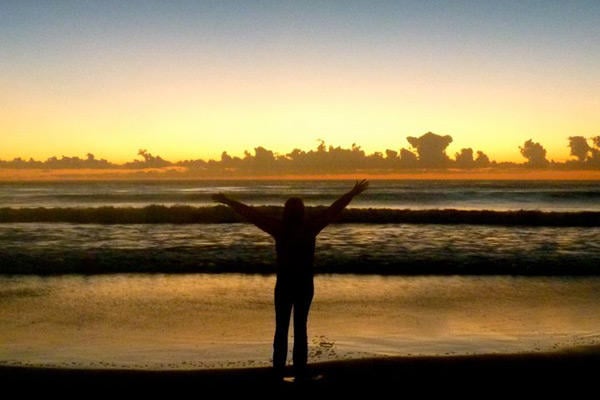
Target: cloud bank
425, 153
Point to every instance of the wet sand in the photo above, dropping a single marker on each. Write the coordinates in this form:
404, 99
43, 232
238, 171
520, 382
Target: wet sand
573, 373
192, 336
226, 321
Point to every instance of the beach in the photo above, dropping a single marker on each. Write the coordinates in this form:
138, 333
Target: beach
160, 302
215, 321
201, 334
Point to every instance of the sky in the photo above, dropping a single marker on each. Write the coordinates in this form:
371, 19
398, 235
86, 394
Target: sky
191, 79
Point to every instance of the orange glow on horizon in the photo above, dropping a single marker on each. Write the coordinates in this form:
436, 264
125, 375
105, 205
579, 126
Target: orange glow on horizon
175, 173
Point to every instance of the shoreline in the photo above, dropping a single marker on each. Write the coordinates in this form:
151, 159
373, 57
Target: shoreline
571, 370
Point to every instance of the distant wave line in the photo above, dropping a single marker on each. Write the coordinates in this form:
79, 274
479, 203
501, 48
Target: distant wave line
179, 214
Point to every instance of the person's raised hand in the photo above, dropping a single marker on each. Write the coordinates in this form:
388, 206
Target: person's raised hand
359, 187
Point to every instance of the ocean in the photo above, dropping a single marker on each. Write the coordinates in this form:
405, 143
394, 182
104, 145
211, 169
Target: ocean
394, 228
153, 274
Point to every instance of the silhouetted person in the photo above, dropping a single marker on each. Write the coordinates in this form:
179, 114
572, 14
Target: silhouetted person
295, 238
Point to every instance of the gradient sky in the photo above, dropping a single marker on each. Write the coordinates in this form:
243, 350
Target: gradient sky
189, 79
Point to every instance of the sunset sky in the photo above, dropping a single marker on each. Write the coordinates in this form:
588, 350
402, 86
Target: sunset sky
189, 79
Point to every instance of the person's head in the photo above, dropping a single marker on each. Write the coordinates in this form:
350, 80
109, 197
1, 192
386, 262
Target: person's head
293, 211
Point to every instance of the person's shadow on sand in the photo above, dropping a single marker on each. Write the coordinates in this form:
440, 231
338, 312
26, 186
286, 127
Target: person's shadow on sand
295, 237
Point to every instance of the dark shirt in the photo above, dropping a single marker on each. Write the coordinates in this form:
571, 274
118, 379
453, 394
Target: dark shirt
295, 252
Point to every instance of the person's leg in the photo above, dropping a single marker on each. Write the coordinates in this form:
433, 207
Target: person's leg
283, 310
301, 309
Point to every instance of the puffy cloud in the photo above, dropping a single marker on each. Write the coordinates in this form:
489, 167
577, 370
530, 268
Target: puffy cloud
464, 159
534, 153
579, 147
431, 149
150, 161
482, 159
408, 159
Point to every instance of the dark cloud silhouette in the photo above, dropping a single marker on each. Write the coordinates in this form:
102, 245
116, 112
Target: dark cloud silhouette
262, 161
588, 155
391, 154
579, 147
429, 152
90, 162
149, 161
482, 160
19, 163
408, 159
464, 159
594, 158
431, 149
535, 154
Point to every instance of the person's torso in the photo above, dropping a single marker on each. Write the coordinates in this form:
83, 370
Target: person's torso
295, 252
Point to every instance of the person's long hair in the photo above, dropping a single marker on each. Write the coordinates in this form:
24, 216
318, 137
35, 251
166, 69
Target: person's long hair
293, 212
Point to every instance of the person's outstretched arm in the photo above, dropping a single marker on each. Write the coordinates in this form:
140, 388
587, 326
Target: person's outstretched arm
264, 222
338, 206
